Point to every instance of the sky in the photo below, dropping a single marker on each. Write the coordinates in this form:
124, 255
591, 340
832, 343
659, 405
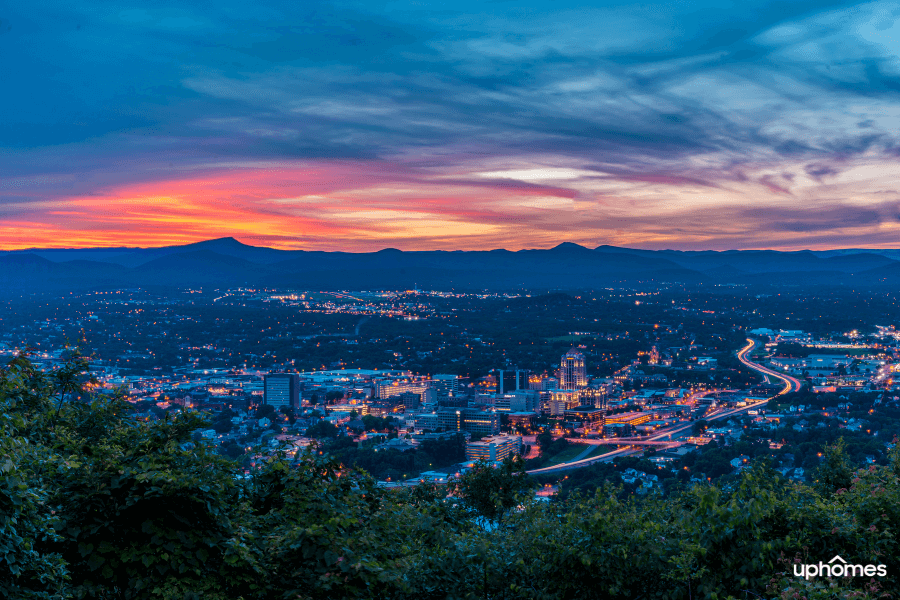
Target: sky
450, 125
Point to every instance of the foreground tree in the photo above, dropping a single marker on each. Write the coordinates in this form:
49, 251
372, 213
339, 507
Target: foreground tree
96, 504
492, 492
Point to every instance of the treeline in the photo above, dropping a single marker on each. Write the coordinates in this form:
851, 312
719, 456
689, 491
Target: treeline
396, 465
95, 504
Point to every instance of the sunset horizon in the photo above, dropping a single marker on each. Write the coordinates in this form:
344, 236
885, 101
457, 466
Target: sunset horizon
358, 126
253, 242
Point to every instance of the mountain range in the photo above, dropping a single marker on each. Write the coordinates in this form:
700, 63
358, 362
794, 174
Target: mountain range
226, 262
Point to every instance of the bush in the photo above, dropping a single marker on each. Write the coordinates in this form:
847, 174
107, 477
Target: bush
95, 504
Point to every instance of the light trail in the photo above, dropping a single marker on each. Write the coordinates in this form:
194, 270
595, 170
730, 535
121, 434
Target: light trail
791, 385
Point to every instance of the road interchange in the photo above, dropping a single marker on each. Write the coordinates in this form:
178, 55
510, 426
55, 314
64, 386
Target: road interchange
791, 384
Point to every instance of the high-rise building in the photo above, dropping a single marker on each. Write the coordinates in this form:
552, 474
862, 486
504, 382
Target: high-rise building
549, 383
466, 419
446, 385
572, 371
282, 389
510, 380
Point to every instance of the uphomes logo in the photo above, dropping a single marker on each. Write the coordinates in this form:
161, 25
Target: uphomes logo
838, 567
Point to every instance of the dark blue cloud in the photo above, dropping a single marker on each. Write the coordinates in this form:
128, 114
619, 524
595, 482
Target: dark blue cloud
696, 94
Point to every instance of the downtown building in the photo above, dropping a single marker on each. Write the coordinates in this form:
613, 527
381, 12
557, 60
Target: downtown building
511, 380
389, 389
445, 385
282, 390
494, 448
572, 370
467, 419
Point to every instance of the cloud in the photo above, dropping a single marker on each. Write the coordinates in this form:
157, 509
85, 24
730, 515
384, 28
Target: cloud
527, 125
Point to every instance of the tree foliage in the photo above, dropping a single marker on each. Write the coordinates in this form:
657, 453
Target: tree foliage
96, 504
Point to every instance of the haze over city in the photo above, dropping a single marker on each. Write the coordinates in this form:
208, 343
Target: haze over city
360, 126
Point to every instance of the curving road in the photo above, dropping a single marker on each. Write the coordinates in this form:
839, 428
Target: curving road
792, 384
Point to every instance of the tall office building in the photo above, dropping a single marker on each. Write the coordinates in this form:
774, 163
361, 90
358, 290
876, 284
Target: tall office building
446, 385
282, 389
467, 419
510, 380
572, 372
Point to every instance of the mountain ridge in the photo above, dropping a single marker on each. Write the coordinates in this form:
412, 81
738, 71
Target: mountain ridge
228, 262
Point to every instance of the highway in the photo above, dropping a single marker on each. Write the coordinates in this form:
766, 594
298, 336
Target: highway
791, 385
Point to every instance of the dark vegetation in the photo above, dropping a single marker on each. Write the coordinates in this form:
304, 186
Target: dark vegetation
396, 465
95, 504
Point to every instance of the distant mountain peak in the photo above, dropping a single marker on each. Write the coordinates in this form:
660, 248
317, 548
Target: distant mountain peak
568, 246
223, 242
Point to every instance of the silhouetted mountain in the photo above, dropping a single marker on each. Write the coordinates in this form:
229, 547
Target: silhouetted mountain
196, 268
226, 262
764, 261
565, 258
859, 262
229, 246
886, 274
132, 257
725, 273
30, 272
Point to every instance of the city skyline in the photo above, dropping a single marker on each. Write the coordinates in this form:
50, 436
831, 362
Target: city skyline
357, 126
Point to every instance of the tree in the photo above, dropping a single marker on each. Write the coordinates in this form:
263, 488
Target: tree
835, 471
223, 426
491, 492
264, 411
322, 429
28, 569
289, 412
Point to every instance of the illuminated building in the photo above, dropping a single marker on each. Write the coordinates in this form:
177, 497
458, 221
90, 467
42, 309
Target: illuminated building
388, 389
345, 410
632, 418
572, 372
519, 401
593, 397
282, 389
446, 385
563, 400
473, 421
592, 419
494, 448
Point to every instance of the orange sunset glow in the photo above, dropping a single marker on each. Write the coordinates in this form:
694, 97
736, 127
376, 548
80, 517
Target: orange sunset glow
369, 206
470, 128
